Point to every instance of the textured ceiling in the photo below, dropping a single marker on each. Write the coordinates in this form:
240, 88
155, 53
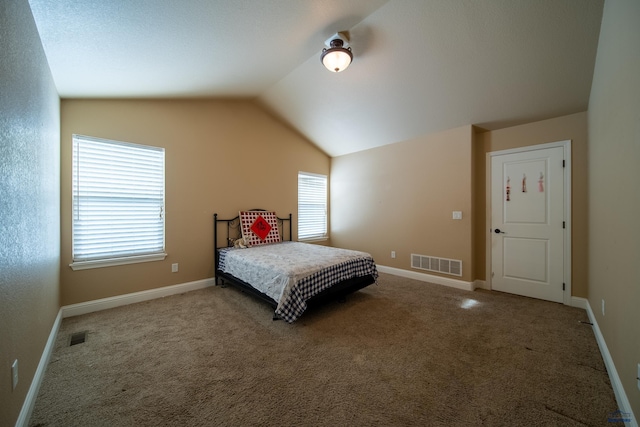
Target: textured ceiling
419, 66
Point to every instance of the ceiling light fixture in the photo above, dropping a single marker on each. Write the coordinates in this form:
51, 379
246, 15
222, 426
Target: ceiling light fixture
338, 56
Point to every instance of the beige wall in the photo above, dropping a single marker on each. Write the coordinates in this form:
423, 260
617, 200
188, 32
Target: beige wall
400, 197
221, 156
572, 127
614, 195
30, 205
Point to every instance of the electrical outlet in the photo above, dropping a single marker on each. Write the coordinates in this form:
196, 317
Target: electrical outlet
174, 268
603, 307
14, 374
393, 254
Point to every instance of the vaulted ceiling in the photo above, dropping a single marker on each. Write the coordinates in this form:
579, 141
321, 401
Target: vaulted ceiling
420, 66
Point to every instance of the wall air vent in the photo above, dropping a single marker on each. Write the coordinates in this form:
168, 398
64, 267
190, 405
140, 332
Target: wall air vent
439, 265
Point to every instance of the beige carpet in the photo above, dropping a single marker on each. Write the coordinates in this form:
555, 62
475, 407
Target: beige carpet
399, 353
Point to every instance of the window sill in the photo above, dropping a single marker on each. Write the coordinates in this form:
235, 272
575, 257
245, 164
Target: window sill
111, 262
314, 239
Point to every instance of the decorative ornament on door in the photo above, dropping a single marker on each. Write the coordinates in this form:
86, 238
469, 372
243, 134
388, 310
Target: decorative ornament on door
541, 183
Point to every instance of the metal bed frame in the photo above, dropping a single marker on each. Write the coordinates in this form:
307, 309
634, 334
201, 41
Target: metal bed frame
233, 232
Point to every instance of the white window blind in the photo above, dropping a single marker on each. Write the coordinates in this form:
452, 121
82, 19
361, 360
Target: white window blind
312, 206
118, 200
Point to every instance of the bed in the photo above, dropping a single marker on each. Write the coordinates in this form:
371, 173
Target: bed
289, 276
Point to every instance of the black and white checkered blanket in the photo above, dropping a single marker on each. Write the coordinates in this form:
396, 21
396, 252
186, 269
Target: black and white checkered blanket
296, 302
292, 272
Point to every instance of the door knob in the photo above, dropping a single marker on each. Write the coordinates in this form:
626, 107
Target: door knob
497, 231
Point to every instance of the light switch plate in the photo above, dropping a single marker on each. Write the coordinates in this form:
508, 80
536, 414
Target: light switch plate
457, 214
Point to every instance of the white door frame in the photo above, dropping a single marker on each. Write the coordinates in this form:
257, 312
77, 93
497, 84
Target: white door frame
566, 145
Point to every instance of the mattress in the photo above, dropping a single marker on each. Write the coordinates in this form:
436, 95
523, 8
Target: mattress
292, 272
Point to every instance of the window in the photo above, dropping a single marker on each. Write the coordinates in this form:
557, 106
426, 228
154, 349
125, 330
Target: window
118, 203
312, 206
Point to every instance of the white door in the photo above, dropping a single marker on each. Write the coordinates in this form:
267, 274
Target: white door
527, 223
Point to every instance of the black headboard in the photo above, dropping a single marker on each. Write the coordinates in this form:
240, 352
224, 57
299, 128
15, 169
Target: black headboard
233, 231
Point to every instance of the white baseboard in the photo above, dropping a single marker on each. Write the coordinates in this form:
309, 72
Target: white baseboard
445, 281
621, 397
579, 302
120, 300
32, 394
481, 284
